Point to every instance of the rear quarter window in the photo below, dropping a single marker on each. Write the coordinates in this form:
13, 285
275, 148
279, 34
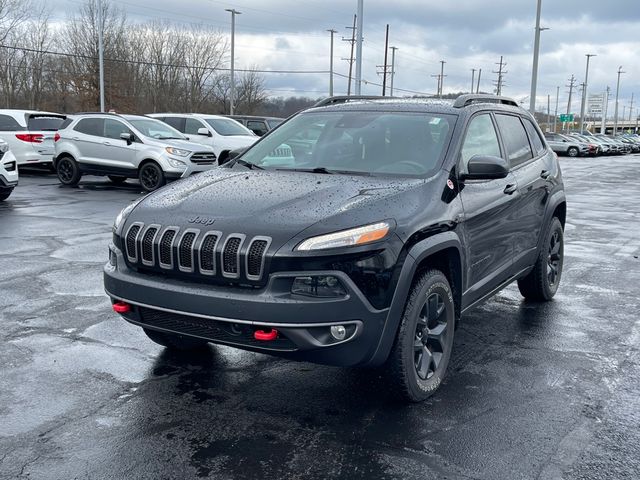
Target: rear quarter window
536, 142
9, 124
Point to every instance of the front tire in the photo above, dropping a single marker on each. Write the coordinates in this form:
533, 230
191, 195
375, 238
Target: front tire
68, 171
4, 194
151, 176
542, 282
420, 356
572, 152
174, 341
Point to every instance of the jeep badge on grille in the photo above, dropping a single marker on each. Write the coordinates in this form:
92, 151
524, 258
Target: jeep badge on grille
201, 220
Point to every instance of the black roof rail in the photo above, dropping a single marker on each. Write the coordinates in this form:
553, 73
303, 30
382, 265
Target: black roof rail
471, 98
347, 98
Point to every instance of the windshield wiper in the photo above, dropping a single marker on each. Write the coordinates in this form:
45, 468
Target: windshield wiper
170, 138
309, 170
249, 165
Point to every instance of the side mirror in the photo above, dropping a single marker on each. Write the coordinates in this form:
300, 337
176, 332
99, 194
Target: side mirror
204, 132
127, 137
486, 167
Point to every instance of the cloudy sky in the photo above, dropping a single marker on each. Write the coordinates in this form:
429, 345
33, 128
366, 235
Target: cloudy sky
291, 35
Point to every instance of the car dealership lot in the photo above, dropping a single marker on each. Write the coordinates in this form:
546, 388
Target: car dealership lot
549, 390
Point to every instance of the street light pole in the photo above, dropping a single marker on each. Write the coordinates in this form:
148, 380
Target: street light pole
536, 54
101, 52
232, 92
584, 92
393, 68
358, 86
473, 78
331, 31
615, 115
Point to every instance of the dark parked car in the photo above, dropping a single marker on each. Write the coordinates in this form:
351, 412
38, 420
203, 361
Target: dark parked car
365, 250
258, 125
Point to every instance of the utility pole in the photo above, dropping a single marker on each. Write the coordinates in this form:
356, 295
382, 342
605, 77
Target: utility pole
572, 84
101, 52
536, 54
615, 115
232, 92
501, 73
584, 91
555, 117
331, 31
393, 68
631, 108
359, 48
442, 62
473, 76
350, 60
384, 70
603, 126
479, 75
548, 111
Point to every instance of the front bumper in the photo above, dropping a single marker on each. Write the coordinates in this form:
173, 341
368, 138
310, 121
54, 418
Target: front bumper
230, 315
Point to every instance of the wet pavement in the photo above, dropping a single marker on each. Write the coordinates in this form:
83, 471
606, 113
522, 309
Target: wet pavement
534, 390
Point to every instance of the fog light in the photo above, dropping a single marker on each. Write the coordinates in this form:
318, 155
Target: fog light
338, 332
318, 286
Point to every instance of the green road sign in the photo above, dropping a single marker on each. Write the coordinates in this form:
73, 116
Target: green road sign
566, 118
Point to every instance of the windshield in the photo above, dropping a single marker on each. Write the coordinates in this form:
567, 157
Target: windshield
156, 129
396, 143
227, 127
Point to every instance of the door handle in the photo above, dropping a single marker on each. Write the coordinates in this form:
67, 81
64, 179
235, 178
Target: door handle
76, 138
545, 174
509, 189
106, 143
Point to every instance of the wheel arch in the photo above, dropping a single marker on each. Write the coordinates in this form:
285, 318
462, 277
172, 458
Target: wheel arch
442, 251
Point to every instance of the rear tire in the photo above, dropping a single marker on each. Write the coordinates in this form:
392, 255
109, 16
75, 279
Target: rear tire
572, 152
422, 349
4, 194
68, 171
151, 176
117, 179
542, 282
174, 341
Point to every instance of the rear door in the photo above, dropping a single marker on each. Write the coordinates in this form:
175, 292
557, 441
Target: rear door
528, 162
490, 212
86, 135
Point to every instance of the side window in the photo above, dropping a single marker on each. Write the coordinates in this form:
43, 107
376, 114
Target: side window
9, 124
191, 126
90, 126
534, 137
257, 127
481, 139
175, 122
515, 139
113, 128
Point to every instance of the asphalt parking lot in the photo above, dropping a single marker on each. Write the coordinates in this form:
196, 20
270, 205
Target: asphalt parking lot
534, 390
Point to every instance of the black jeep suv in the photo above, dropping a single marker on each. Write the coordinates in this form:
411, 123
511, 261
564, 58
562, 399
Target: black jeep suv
391, 219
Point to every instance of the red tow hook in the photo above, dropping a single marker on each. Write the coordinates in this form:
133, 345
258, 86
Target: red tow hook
121, 307
263, 336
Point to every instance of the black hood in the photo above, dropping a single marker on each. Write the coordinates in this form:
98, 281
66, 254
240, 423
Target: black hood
280, 204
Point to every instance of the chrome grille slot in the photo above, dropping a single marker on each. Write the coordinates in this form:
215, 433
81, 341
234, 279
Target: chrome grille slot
165, 248
231, 256
147, 245
255, 257
208, 253
203, 158
131, 241
185, 250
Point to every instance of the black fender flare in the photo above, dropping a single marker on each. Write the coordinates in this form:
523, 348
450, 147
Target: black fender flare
416, 254
556, 199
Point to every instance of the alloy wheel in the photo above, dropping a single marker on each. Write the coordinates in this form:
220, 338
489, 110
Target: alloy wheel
65, 170
430, 336
554, 258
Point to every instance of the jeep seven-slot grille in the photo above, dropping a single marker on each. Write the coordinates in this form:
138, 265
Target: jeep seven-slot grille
230, 256
192, 251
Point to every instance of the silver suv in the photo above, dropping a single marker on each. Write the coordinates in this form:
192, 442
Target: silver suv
8, 171
126, 146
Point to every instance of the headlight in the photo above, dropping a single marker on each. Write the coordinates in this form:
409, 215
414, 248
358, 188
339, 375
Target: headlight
176, 163
124, 213
345, 238
178, 151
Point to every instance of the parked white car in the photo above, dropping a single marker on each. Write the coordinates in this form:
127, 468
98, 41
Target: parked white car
8, 171
29, 134
221, 133
127, 146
